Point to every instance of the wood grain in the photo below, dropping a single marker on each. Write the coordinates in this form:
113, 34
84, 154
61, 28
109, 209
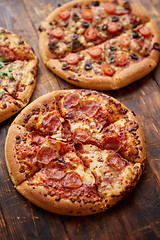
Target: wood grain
137, 217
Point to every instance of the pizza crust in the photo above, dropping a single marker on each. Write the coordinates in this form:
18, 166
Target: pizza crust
42, 196
122, 78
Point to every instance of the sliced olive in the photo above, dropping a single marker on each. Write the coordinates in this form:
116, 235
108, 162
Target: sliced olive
112, 48
104, 27
156, 46
134, 56
52, 45
127, 6
74, 37
135, 35
112, 59
65, 66
88, 66
85, 24
135, 25
96, 3
114, 18
75, 16
75, 44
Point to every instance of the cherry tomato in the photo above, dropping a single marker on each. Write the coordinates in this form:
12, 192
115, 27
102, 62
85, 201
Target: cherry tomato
87, 14
121, 60
112, 27
57, 32
95, 52
90, 34
125, 41
145, 31
110, 8
108, 70
72, 58
64, 14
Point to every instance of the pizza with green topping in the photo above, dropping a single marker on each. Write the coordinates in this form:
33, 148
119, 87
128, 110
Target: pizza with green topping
18, 69
75, 152
101, 45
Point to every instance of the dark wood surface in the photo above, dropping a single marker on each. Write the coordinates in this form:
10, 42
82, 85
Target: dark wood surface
138, 216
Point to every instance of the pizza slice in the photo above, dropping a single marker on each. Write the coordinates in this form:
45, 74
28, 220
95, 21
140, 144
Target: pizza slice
18, 68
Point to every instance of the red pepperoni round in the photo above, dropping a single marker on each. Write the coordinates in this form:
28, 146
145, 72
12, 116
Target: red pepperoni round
72, 180
51, 123
47, 154
38, 139
81, 135
71, 100
90, 107
111, 143
116, 161
56, 172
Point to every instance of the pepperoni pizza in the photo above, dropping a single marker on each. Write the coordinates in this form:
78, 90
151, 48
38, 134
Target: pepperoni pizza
18, 69
75, 152
101, 45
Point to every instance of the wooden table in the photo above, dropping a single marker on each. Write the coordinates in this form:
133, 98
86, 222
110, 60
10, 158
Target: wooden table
137, 217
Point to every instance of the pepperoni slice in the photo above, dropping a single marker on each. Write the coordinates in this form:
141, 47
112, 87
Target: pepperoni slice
81, 135
116, 161
51, 123
108, 70
71, 100
38, 139
57, 32
87, 14
90, 107
95, 52
111, 143
122, 60
47, 154
145, 31
64, 14
56, 172
72, 58
110, 8
90, 34
125, 41
112, 27
72, 180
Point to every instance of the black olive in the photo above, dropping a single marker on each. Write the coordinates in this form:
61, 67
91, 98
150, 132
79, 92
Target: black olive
112, 48
134, 56
75, 44
85, 24
88, 66
75, 16
135, 35
96, 3
104, 27
156, 46
114, 18
52, 45
65, 66
112, 59
127, 6
135, 25
74, 37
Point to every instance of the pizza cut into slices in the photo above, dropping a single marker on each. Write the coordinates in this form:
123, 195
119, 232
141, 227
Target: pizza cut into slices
18, 69
101, 45
75, 152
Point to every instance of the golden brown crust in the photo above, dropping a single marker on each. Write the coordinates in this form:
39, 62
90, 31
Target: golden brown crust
35, 190
122, 78
23, 63
40, 197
